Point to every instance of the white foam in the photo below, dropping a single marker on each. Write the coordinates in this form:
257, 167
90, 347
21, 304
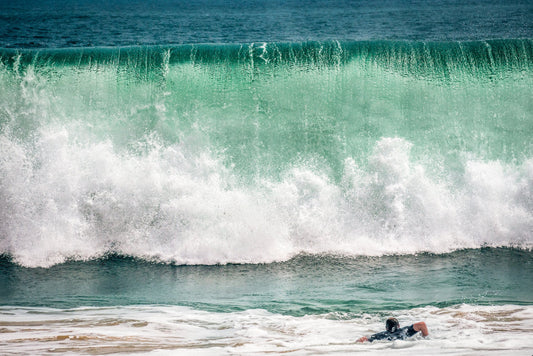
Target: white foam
458, 330
63, 199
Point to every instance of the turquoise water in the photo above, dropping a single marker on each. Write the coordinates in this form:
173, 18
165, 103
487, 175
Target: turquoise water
264, 108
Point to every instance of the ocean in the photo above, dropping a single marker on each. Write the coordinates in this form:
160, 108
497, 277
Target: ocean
264, 177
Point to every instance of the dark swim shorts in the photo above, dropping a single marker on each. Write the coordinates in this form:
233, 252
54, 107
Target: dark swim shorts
400, 334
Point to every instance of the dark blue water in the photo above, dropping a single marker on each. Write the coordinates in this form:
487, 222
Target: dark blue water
68, 23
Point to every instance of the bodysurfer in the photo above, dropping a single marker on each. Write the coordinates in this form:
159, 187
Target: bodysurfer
394, 332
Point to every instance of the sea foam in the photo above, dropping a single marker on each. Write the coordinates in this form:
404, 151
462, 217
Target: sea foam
165, 330
62, 200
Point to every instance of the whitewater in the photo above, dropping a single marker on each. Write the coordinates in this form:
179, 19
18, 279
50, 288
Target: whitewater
138, 330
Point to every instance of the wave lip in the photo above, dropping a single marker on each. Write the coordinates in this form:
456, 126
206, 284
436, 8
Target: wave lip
423, 58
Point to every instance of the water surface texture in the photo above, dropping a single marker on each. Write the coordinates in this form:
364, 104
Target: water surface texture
82, 23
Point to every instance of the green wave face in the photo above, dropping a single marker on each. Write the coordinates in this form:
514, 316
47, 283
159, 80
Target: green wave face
370, 123
267, 105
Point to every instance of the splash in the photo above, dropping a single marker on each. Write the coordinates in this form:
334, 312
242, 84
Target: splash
82, 202
214, 154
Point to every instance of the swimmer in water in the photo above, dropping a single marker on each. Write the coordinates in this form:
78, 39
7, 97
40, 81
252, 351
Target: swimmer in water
394, 332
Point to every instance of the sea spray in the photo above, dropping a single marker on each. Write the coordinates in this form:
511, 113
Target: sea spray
171, 206
207, 154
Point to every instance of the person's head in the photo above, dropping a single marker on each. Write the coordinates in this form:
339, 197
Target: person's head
392, 325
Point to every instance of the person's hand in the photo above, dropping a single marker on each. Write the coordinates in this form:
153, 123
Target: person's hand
363, 339
421, 326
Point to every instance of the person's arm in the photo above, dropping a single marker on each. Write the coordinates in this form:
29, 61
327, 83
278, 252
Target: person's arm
421, 326
378, 336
